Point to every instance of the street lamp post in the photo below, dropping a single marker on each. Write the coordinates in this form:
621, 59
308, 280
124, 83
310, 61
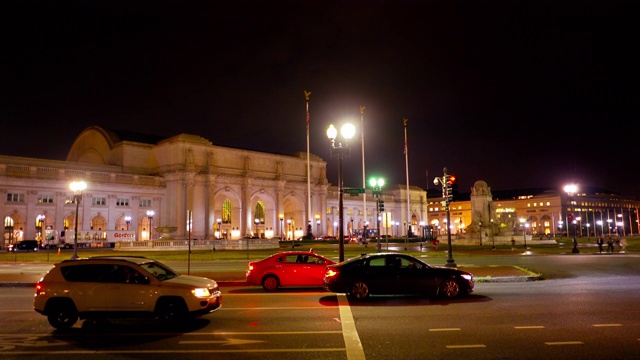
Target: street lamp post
219, 228
289, 229
376, 186
347, 131
447, 194
493, 241
351, 234
77, 187
40, 219
43, 238
256, 221
127, 219
397, 228
524, 223
281, 216
150, 214
570, 190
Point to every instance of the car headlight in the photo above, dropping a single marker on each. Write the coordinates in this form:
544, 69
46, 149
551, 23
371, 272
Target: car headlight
467, 277
201, 292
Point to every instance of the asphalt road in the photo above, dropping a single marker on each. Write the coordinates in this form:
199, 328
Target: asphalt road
585, 308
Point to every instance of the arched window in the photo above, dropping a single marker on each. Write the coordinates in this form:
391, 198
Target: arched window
226, 212
259, 211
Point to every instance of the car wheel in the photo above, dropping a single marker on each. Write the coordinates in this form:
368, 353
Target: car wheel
171, 310
359, 290
62, 315
270, 283
449, 289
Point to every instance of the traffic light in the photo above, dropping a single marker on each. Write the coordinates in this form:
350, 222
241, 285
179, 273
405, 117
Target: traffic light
380, 205
570, 217
448, 181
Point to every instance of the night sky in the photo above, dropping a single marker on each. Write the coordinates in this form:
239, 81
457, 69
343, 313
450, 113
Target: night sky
520, 94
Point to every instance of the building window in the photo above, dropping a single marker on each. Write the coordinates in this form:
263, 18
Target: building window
45, 199
122, 202
15, 197
226, 212
99, 201
145, 203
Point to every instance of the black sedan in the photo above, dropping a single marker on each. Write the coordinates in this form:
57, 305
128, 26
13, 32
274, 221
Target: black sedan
395, 274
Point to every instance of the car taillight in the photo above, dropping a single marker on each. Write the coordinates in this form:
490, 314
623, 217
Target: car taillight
39, 288
330, 273
251, 267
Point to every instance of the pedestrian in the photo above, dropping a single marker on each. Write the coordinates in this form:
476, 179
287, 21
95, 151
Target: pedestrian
609, 245
435, 244
623, 245
600, 243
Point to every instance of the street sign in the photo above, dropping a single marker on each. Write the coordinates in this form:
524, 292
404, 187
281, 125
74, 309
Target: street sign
354, 191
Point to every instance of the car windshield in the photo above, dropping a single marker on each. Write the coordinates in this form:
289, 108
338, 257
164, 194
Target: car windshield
159, 271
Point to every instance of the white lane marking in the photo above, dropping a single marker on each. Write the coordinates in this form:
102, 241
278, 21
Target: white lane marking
605, 325
349, 331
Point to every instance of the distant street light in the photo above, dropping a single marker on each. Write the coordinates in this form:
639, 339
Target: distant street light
150, 214
493, 241
43, 238
524, 223
571, 189
77, 187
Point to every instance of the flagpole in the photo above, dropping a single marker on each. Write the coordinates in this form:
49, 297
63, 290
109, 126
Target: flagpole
364, 182
426, 200
406, 161
309, 226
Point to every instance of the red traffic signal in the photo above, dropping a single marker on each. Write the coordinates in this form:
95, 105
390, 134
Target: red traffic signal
570, 217
452, 179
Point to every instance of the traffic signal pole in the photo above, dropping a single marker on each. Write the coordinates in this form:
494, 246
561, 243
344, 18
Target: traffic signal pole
447, 194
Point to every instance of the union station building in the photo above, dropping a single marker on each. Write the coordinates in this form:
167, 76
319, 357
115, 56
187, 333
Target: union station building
141, 187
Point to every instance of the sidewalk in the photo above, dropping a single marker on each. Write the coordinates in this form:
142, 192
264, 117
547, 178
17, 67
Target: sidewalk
502, 273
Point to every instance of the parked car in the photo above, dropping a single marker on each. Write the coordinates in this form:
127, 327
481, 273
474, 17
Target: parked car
289, 268
395, 274
24, 245
327, 237
106, 287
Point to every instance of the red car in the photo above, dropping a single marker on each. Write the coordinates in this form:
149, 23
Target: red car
289, 268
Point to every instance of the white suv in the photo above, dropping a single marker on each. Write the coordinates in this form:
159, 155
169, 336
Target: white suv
106, 287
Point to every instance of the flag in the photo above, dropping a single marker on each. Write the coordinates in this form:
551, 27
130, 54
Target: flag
306, 96
404, 122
